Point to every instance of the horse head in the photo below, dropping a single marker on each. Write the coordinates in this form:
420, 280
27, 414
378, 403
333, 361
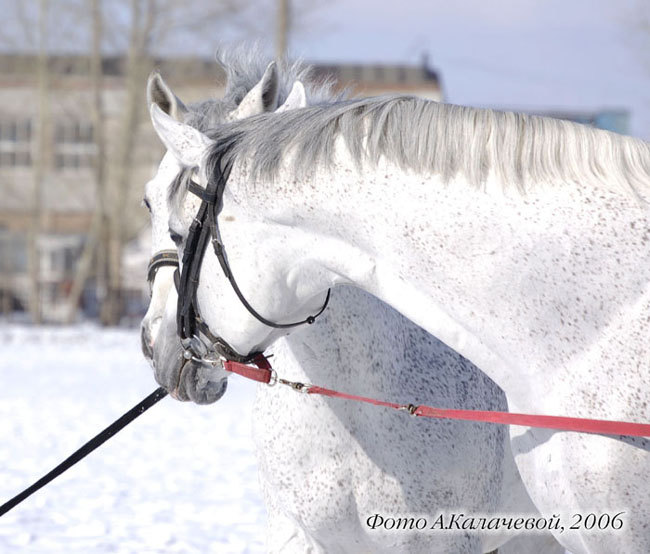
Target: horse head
187, 379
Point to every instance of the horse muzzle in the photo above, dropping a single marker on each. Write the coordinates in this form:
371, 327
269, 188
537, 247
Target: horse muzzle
189, 380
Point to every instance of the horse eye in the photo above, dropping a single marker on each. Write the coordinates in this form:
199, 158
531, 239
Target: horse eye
146, 204
178, 239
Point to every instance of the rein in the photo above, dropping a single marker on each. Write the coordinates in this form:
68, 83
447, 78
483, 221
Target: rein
87, 448
264, 373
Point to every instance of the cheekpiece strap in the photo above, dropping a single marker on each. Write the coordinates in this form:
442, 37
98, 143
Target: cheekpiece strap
205, 225
203, 194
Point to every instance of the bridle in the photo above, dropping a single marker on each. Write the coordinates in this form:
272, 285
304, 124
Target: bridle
158, 260
196, 338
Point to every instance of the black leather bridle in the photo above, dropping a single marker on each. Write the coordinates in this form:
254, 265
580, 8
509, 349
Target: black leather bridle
158, 260
195, 335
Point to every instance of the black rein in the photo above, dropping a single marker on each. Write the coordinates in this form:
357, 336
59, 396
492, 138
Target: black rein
87, 448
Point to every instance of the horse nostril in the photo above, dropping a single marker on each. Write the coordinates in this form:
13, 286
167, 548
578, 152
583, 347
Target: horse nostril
146, 343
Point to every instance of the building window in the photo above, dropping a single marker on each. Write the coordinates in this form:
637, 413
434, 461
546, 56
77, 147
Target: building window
74, 145
13, 252
15, 142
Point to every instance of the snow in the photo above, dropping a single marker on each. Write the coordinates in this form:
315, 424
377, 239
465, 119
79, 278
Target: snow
180, 478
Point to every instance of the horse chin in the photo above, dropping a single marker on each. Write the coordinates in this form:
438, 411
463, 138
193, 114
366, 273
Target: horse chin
198, 383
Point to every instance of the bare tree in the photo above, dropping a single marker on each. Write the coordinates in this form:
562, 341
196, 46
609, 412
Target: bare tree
151, 24
142, 16
139, 28
94, 247
283, 23
297, 17
39, 167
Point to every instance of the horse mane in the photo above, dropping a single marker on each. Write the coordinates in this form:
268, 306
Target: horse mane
436, 139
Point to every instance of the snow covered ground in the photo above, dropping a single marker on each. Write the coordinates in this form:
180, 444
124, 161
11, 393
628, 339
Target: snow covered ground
180, 478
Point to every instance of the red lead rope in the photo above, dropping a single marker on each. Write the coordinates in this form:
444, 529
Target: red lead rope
264, 373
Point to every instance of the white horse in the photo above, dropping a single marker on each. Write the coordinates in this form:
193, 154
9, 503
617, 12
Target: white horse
521, 242
326, 467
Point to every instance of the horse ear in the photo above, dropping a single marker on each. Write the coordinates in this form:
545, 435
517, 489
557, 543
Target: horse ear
187, 144
159, 93
297, 98
263, 97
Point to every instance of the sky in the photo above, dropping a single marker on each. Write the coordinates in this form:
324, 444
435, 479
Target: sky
528, 54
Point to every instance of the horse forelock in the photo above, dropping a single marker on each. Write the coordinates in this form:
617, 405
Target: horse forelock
244, 65
180, 183
446, 140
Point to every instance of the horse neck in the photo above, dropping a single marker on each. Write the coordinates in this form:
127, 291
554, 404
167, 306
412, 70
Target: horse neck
489, 273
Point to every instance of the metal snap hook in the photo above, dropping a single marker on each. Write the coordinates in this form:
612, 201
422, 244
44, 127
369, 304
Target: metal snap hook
410, 408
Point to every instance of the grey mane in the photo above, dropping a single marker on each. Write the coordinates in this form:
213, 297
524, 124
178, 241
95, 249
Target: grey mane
437, 139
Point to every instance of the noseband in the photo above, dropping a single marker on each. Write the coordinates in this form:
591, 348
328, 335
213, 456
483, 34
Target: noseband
158, 260
196, 337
